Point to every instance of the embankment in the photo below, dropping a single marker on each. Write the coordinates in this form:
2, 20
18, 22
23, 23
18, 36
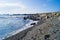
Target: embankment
48, 28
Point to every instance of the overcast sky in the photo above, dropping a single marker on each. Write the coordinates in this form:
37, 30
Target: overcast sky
28, 6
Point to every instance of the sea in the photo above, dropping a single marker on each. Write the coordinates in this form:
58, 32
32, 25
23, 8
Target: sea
10, 23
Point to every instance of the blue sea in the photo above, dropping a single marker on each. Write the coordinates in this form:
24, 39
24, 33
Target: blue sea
9, 24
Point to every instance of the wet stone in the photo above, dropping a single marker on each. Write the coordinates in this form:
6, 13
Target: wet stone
33, 38
46, 36
33, 23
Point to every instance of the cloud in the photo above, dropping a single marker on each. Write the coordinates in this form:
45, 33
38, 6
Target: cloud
12, 5
11, 8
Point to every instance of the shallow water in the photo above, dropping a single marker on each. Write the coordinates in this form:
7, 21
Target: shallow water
10, 24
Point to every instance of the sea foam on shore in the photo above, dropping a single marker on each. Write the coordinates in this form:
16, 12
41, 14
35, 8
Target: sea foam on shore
26, 26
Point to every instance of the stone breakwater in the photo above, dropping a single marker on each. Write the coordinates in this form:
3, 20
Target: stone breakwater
48, 28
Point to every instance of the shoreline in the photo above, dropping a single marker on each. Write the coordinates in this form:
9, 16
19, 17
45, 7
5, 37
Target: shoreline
27, 26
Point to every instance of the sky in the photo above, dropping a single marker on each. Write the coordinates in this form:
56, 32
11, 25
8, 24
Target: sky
28, 6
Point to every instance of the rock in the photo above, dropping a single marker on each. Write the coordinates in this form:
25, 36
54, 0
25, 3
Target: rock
46, 31
25, 18
33, 24
55, 14
46, 37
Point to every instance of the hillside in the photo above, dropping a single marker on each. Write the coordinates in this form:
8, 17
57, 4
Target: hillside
48, 28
